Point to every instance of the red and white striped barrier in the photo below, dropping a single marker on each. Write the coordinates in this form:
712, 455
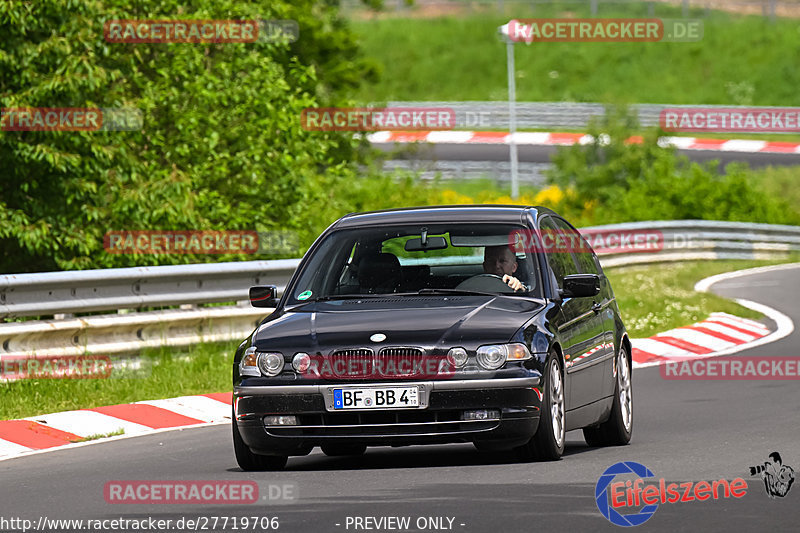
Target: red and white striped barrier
537, 138
717, 333
61, 429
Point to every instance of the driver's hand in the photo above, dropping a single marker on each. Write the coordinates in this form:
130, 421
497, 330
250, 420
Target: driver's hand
513, 282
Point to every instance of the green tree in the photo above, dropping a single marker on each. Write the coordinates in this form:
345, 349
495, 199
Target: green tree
221, 146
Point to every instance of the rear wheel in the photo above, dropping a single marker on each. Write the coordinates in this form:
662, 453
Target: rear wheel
617, 430
338, 450
548, 442
249, 461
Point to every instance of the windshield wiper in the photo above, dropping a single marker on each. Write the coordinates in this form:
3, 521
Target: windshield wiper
454, 291
347, 297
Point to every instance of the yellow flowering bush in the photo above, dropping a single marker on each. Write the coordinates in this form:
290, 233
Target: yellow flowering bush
550, 196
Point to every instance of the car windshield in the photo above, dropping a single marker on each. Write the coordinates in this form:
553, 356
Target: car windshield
416, 258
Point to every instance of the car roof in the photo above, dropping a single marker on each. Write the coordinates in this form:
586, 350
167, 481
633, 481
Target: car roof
512, 214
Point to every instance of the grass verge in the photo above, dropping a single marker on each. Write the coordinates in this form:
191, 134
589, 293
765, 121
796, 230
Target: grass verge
164, 373
741, 60
655, 298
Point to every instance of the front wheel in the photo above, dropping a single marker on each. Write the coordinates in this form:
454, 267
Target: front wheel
548, 442
252, 462
617, 430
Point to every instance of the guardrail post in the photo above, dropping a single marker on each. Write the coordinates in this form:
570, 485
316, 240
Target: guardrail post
594, 7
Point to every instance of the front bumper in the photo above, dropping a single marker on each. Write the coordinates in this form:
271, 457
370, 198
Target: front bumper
517, 400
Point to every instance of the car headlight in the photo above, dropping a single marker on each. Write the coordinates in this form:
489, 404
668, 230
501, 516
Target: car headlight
301, 362
255, 363
248, 366
457, 357
270, 363
493, 356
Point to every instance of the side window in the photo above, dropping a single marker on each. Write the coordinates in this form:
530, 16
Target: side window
583, 252
587, 261
560, 258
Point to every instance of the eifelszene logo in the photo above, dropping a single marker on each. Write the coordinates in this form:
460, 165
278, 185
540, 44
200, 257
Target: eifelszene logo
615, 497
778, 477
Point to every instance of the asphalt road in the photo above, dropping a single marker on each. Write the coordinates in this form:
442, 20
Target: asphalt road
683, 431
543, 154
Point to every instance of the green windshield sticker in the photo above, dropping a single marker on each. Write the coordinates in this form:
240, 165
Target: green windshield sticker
305, 295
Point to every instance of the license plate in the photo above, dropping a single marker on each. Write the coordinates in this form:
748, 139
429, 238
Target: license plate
375, 398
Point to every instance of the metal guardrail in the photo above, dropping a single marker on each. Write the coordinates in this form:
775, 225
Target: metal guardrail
130, 288
532, 174
479, 115
134, 288
688, 240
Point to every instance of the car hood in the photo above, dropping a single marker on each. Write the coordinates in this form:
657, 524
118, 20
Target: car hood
405, 321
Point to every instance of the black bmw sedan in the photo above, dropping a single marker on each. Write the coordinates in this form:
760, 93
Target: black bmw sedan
486, 324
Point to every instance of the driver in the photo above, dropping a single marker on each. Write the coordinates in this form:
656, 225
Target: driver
501, 261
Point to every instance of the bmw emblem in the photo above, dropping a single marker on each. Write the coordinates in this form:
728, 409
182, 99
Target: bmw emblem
378, 337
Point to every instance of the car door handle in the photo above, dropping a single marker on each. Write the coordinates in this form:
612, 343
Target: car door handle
596, 307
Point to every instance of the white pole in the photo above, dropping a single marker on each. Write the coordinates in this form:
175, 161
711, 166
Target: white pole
512, 120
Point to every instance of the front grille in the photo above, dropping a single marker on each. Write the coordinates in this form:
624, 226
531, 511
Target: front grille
383, 424
401, 362
352, 363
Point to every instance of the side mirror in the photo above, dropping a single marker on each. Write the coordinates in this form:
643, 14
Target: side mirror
581, 285
264, 296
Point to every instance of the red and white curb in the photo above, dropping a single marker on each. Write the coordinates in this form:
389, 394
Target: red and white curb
56, 430
540, 138
718, 333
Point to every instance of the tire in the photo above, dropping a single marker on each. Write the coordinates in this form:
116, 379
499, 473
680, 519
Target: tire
339, 450
252, 462
548, 442
617, 430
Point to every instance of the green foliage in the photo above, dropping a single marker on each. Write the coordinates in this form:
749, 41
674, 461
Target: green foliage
617, 181
221, 147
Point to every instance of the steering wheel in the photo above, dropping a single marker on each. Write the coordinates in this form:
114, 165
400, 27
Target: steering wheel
485, 283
